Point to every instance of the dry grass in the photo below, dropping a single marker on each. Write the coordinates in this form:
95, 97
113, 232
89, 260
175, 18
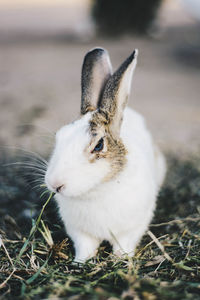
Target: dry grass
40, 264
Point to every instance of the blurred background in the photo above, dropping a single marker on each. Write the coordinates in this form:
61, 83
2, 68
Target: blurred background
42, 45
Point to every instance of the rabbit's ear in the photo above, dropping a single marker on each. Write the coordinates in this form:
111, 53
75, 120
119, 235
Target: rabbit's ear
95, 72
116, 92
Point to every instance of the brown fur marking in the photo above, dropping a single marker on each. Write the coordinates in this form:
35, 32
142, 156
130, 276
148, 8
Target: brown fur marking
115, 150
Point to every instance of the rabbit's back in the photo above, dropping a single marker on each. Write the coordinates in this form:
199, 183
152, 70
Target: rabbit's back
138, 140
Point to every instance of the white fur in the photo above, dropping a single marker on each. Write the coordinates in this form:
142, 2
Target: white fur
118, 210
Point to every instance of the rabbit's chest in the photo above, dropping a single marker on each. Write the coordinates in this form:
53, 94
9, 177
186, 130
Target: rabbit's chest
98, 219
103, 217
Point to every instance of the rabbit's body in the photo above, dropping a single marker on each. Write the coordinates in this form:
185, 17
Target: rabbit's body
113, 196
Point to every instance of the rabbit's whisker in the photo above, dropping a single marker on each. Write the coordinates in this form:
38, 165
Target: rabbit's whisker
38, 181
34, 154
50, 132
26, 165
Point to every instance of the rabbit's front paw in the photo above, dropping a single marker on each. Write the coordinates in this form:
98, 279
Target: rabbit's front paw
124, 246
85, 247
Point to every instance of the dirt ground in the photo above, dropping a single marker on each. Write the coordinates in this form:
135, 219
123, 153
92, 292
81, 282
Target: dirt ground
40, 85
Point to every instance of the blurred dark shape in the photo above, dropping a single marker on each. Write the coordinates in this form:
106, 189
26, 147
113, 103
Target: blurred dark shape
21, 201
115, 17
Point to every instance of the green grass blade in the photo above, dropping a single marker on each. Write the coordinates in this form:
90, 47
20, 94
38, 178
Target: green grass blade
34, 228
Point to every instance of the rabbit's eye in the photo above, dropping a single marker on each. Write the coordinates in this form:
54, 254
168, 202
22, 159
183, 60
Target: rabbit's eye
99, 146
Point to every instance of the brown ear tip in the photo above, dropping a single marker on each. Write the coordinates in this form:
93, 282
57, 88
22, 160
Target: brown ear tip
134, 54
97, 49
130, 59
136, 51
96, 52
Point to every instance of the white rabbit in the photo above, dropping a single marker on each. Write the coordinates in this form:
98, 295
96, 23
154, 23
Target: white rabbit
105, 169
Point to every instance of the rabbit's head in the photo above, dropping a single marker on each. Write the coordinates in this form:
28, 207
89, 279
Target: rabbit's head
89, 151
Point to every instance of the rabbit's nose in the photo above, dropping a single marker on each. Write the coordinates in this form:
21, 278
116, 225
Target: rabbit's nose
59, 188
53, 184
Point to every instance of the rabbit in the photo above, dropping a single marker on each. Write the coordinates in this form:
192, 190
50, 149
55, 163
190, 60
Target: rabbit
105, 169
